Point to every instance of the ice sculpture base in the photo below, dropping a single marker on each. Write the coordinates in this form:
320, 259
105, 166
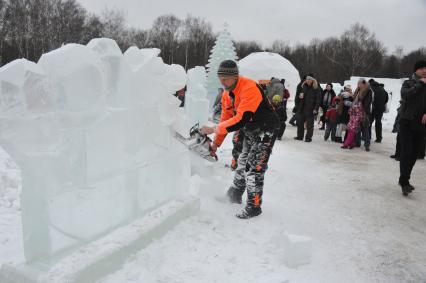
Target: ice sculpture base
107, 254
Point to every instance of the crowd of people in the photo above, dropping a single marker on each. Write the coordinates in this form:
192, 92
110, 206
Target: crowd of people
256, 112
346, 117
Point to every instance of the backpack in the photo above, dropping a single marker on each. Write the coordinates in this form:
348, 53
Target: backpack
275, 87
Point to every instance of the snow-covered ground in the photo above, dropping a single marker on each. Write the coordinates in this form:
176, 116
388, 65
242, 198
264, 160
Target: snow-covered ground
11, 245
347, 202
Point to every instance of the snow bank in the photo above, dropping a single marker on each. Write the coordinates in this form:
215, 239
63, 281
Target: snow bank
90, 128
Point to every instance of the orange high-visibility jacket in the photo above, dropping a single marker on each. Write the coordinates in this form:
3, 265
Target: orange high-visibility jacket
245, 104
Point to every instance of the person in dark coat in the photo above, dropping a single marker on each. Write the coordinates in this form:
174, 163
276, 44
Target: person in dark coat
308, 105
412, 123
293, 119
395, 129
326, 100
180, 94
422, 153
381, 98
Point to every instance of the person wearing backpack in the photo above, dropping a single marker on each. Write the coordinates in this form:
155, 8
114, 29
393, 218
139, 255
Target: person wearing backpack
275, 87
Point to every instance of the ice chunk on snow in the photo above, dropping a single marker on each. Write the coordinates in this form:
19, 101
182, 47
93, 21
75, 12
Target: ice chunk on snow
294, 250
297, 250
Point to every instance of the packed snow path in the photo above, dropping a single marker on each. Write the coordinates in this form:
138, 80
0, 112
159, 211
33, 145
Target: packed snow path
348, 202
362, 229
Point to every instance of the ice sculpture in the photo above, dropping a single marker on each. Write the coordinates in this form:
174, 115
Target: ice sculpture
90, 130
223, 49
196, 102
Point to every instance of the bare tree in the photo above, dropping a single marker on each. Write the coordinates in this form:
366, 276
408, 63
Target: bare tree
165, 34
244, 48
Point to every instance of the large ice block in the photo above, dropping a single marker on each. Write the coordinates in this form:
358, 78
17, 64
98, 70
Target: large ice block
91, 131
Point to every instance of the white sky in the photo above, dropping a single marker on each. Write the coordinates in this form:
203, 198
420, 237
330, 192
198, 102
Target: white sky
395, 22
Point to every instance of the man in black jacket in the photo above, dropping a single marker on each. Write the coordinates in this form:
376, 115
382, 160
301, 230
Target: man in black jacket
293, 119
381, 97
412, 123
308, 103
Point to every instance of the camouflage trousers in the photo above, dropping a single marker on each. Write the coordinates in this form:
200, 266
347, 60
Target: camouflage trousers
253, 163
237, 141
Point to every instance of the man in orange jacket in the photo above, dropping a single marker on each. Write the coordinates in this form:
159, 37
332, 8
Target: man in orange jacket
245, 106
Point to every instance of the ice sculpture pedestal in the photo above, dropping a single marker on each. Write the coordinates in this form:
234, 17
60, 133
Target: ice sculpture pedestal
107, 254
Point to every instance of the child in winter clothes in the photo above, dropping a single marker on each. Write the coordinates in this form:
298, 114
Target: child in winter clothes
280, 109
356, 114
346, 99
331, 120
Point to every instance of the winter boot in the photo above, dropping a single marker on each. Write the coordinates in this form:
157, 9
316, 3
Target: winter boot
407, 189
235, 195
254, 201
249, 212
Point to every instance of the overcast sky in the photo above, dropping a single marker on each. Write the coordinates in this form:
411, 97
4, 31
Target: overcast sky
395, 22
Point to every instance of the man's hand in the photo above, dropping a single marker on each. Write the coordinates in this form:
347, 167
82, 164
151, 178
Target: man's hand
423, 80
213, 148
424, 119
207, 130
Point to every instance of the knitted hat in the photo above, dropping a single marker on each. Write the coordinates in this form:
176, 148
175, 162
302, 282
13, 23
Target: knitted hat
419, 64
228, 68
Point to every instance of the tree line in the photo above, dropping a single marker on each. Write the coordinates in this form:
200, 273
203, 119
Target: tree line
29, 28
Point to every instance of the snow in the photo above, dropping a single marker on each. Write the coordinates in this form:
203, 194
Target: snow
347, 204
265, 65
